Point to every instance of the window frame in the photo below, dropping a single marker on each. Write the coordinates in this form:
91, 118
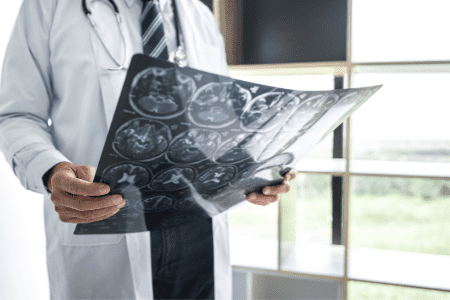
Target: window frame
228, 15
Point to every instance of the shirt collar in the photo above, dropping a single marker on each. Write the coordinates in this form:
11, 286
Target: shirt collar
130, 2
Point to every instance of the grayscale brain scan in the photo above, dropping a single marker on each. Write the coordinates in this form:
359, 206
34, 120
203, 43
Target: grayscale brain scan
125, 174
185, 144
154, 203
159, 92
142, 139
215, 104
173, 179
193, 146
215, 177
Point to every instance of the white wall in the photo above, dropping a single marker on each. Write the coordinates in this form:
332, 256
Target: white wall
23, 271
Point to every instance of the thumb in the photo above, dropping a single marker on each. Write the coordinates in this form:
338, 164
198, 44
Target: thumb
84, 172
92, 173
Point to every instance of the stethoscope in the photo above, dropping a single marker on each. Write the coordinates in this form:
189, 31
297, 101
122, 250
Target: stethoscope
178, 56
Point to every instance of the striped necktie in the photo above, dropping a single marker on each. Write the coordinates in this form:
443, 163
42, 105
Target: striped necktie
153, 39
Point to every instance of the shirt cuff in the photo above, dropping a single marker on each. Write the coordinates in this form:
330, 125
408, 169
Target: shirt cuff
40, 165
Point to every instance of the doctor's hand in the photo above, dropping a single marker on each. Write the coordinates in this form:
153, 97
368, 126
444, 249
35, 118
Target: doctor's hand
72, 187
272, 193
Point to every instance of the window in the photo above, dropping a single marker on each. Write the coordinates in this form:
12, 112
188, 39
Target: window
393, 172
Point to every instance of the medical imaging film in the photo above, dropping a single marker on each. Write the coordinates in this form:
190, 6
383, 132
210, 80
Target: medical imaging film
186, 144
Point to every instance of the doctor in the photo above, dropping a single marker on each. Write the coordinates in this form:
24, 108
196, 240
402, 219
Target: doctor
58, 66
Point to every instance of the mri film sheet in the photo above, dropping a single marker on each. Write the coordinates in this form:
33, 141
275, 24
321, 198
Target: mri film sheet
185, 144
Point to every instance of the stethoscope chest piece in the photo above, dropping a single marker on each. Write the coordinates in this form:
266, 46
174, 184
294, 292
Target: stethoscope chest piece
178, 57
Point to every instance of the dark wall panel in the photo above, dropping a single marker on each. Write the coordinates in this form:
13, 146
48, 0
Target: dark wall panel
285, 31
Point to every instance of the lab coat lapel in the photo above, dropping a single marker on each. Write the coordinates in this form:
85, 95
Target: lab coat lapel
109, 80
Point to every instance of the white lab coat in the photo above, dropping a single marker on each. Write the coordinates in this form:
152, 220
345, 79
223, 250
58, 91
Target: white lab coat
53, 69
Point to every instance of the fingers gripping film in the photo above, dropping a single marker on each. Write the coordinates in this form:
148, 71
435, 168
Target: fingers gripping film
77, 180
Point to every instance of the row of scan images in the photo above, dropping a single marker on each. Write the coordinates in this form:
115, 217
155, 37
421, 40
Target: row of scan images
143, 139
176, 178
160, 93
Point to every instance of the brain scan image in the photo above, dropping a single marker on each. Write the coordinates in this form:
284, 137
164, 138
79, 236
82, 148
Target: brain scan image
232, 150
294, 139
126, 174
268, 110
329, 101
173, 179
217, 105
215, 177
187, 204
142, 139
310, 111
161, 93
350, 97
276, 146
347, 102
254, 180
279, 160
193, 145
128, 205
255, 143
225, 194
154, 203
243, 179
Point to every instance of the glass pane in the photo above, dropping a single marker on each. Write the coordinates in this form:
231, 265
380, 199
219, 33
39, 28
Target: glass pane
254, 235
370, 291
306, 229
386, 30
407, 120
302, 82
401, 214
399, 231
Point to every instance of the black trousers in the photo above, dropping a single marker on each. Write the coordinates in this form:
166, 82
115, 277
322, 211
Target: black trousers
183, 261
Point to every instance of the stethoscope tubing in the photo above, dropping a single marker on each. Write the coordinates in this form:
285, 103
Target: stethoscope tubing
88, 12
121, 66
179, 55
